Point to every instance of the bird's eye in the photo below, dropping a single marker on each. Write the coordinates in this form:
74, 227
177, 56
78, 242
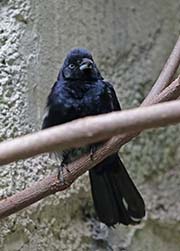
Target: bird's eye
71, 66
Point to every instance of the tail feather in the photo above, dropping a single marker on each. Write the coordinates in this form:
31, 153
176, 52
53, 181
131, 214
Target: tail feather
115, 196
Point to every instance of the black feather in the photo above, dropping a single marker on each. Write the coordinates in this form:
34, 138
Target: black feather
115, 196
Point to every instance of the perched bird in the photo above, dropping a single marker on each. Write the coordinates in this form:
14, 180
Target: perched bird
78, 92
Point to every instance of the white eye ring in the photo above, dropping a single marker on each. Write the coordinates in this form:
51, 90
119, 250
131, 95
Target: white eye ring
71, 66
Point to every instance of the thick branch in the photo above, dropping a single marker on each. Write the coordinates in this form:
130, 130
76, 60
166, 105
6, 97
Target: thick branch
93, 129
50, 184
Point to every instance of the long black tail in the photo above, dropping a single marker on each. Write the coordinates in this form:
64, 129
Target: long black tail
116, 199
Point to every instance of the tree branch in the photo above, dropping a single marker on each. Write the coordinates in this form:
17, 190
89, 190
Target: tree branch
169, 93
51, 184
167, 73
93, 129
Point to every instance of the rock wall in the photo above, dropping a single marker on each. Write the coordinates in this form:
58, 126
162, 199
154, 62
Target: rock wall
130, 41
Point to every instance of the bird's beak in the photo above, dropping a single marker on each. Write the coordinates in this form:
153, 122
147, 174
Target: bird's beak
86, 64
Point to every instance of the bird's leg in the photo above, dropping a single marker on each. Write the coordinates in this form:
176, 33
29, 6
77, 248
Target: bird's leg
61, 165
93, 149
60, 175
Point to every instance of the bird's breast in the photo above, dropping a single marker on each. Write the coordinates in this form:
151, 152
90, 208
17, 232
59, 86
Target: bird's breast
85, 101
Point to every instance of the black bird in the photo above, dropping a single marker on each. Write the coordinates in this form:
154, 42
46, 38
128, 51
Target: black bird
78, 92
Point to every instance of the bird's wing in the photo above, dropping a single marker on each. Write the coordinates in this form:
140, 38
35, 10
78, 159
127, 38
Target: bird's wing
112, 95
46, 117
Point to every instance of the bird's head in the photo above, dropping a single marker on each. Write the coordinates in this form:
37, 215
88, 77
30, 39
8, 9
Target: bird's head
79, 65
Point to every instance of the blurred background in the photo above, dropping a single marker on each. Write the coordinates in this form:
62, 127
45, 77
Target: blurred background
130, 41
